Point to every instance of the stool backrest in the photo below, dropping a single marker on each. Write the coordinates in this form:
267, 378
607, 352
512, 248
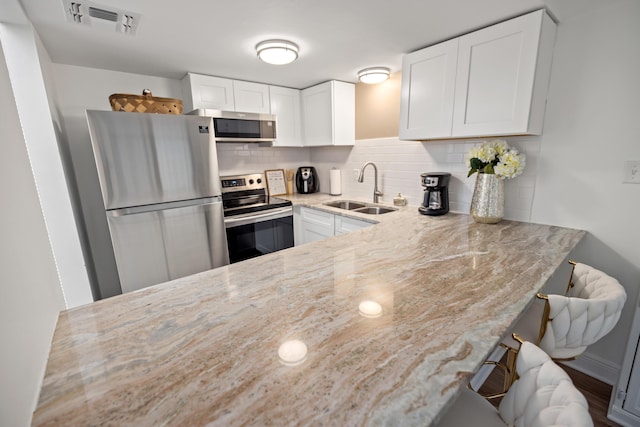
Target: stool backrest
543, 395
590, 310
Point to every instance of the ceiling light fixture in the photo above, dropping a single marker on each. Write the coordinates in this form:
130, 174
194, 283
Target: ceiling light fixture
277, 52
374, 75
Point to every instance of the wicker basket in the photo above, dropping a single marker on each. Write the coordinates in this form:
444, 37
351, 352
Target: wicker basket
145, 103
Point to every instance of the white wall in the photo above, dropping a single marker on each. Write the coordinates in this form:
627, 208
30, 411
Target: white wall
32, 102
30, 293
591, 128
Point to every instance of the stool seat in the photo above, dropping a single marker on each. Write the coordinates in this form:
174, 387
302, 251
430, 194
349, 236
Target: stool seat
543, 395
565, 325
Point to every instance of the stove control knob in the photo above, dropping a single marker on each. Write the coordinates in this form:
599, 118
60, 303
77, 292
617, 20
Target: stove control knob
259, 180
250, 181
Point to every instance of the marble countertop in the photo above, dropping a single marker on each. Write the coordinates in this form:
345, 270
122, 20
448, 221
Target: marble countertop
395, 319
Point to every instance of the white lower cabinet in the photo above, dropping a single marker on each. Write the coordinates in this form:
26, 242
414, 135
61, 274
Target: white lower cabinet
624, 407
314, 225
343, 225
311, 225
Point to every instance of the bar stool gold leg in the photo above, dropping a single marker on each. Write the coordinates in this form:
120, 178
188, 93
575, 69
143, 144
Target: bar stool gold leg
510, 377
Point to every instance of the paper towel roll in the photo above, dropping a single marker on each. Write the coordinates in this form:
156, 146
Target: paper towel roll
335, 178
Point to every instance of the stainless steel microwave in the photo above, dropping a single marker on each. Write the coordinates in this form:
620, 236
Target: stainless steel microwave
231, 126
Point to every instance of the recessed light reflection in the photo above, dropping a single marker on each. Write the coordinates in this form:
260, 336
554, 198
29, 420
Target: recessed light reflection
370, 309
292, 352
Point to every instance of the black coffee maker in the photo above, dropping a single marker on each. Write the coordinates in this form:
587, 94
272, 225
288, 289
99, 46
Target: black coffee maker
436, 193
307, 180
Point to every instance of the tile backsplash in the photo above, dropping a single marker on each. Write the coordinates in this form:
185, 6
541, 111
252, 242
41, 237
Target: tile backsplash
238, 158
399, 164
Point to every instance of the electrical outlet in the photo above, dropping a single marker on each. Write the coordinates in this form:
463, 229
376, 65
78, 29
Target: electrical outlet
632, 172
356, 172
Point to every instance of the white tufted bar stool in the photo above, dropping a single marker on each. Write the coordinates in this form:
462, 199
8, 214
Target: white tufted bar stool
543, 395
565, 325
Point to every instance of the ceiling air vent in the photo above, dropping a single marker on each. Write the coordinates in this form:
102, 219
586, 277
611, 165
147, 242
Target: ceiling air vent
98, 16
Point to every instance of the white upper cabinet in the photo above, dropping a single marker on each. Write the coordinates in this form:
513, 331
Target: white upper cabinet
328, 114
207, 92
321, 115
500, 74
218, 93
251, 97
503, 77
428, 87
285, 104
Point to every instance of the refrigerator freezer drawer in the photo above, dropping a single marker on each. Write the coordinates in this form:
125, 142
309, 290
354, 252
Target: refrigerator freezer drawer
153, 247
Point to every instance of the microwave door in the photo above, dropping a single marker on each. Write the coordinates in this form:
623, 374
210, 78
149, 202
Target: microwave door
244, 130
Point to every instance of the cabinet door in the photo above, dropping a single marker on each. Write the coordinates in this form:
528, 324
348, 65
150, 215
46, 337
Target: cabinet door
428, 83
632, 400
328, 114
251, 97
624, 405
317, 114
344, 225
315, 225
344, 113
208, 92
495, 78
285, 104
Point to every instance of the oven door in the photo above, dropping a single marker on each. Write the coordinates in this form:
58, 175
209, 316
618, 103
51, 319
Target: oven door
258, 233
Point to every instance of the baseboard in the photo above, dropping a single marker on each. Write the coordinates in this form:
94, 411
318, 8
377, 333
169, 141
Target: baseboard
596, 367
622, 417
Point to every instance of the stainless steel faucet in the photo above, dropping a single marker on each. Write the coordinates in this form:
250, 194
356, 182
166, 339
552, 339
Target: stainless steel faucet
376, 193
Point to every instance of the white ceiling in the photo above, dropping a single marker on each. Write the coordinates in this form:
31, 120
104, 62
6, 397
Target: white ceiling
336, 37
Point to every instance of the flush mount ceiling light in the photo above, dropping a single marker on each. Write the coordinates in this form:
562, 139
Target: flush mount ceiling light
373, 75
277, 52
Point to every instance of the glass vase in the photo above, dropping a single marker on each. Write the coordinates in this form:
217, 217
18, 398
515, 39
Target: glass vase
487, 204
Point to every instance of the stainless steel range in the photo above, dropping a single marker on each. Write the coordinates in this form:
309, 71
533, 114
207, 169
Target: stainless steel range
256, 223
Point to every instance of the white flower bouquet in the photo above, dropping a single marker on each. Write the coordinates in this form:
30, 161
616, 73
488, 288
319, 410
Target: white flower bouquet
495, 157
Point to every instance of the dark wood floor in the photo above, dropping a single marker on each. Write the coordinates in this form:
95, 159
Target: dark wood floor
596, 392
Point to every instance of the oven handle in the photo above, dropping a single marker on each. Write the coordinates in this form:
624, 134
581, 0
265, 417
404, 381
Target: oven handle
252, 218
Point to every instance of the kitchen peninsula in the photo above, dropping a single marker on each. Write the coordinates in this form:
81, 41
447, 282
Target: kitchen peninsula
207, 349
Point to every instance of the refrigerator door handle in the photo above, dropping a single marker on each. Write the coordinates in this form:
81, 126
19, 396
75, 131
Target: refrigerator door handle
163, 206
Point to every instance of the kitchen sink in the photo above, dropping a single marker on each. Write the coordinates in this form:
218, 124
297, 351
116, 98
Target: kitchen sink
365, 208
345, 204
375, 210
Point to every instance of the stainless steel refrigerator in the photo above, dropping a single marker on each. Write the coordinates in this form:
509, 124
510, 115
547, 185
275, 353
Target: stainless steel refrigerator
162, 197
